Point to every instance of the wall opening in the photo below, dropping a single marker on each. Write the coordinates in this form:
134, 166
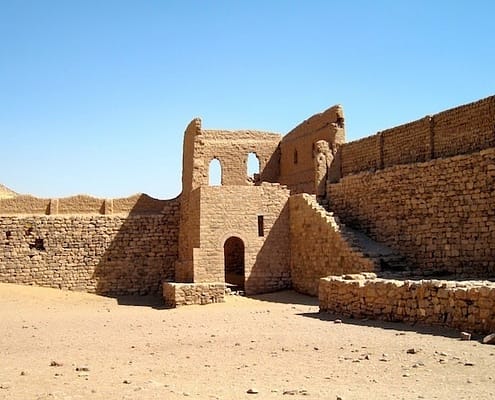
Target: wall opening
261, 226
215, 173
295, 156
38, 245
233, 251
253, 167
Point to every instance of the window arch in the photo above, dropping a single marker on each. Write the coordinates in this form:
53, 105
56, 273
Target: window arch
215, 172
253, 165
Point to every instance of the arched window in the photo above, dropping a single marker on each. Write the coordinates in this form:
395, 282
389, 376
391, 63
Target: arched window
253, 165
215, 173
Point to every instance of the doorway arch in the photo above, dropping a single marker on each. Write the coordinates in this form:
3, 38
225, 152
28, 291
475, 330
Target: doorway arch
234, 266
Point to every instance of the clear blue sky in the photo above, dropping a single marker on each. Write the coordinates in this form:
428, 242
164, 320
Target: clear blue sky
95, 95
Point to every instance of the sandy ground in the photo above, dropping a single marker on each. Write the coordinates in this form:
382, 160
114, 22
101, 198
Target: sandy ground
278, 345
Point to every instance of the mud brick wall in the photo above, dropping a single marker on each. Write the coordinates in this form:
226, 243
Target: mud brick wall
465, 129
439, 214
461, 130
464, 305
296, 148
407, 143
361, 155
317, 248
111, 255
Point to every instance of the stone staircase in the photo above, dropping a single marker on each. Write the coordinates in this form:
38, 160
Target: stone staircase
387, 262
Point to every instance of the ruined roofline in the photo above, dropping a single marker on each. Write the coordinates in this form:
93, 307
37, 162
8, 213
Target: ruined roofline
332, 115
139, 203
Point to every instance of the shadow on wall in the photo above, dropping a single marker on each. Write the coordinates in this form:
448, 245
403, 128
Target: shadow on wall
141, 249
271, 170
271, 269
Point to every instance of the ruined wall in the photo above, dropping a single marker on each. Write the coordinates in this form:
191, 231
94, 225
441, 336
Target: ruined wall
467, 305
296, 148
439, 214
464, 129
316, 246
125, 253
228, 211
231, 149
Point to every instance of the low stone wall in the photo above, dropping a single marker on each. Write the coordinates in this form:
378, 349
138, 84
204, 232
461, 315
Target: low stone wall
185, 294
464, 305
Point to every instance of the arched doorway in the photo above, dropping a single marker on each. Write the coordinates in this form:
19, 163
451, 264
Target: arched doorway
233, 251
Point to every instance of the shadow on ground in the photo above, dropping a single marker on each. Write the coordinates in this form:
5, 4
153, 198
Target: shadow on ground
287, 297
388, 325
152, 301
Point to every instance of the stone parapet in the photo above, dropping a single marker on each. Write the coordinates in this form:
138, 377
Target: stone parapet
465, 305
185, 294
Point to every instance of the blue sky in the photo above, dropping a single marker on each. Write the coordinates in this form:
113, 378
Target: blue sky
95, 95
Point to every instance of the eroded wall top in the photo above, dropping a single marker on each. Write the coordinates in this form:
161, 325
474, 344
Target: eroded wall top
231, 149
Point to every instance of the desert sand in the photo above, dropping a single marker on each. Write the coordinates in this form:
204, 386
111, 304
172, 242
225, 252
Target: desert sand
66, 345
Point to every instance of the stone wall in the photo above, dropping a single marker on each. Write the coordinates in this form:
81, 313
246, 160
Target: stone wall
461, 130
317, 247
185, 294
296, 162
465, 305
107, 254
234, 211
439, 214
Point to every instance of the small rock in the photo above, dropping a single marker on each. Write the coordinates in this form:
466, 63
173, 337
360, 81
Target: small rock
465, 336
290, 392
4, 386
82, 368
23, 373
411, 351
126, 381
489, 339
406, 375
55, 364
337, 321
252, 391
469, 364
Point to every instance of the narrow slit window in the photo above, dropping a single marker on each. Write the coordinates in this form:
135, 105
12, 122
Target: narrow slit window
295, 156
261, 226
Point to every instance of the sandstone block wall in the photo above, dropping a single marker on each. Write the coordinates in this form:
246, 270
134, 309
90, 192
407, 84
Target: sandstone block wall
233, 211
461, 130
466, 305
185, 294
316, 246
439, 214
296, 148
105, 254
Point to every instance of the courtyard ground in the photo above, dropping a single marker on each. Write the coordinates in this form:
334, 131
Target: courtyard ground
66, 345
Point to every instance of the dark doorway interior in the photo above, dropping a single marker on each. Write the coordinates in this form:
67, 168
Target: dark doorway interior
233, 251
